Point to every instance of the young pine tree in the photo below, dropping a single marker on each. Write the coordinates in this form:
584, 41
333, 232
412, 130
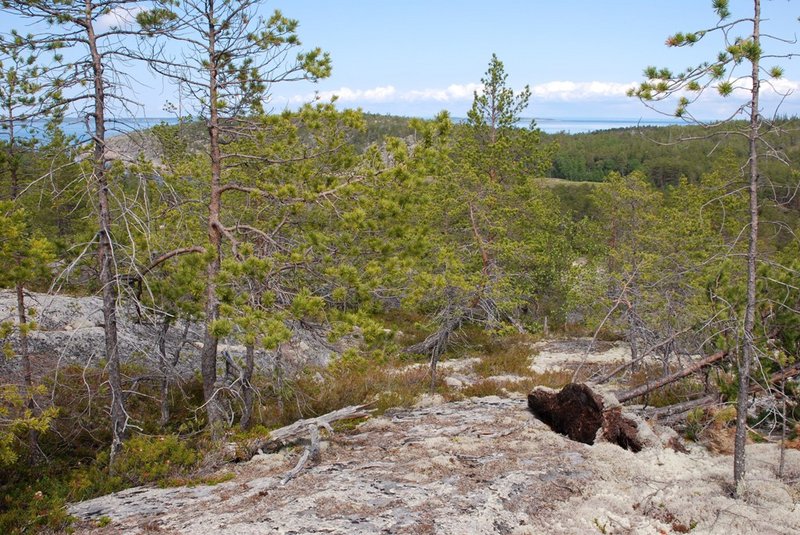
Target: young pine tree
738, 69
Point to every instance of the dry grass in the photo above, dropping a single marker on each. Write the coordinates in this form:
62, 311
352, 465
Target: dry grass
794, 442
510, 355
714, 428
345, 382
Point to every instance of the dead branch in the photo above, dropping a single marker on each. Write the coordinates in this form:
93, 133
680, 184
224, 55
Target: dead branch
311, 452
649, 387
166, 256
672, 413
646, 353
290, 434
785, 373
436, 344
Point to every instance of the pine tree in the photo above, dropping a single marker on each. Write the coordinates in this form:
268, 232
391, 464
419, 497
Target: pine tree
86, 74
26, 258
231, 58
497, 236
723, 75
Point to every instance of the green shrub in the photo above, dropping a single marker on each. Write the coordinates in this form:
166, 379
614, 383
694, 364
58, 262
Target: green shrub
146, 459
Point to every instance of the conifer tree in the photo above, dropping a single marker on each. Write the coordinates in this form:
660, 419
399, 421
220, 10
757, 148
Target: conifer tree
85, 74
26, 258
737, 68
230, 57
495, 244
22, 100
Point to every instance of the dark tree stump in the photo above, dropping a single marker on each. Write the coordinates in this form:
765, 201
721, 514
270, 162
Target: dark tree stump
578, 412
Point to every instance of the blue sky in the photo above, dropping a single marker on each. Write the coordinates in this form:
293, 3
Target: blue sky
416, 57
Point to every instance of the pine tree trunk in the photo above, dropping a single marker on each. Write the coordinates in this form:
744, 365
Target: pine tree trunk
12, 157
105, 254
27, 371
248, 393
748, 352
208, 364
165, 370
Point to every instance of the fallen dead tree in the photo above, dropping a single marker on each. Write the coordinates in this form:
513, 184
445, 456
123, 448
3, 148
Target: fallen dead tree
680, 374
673, 413
291, 434
436, 344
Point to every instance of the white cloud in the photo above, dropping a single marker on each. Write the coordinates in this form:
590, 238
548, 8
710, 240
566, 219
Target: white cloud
782, 86
388, 93
573, 91
558, 91
453, 92
346, 94
119, 17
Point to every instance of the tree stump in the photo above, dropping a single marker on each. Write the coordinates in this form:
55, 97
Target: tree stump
578, 412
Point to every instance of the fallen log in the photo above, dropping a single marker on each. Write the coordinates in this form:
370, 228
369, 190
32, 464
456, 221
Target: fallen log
579, 413
680, 374
311, 452
785, 373
290, 434
672, 413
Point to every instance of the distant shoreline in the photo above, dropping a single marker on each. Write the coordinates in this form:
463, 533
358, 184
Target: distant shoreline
548, 125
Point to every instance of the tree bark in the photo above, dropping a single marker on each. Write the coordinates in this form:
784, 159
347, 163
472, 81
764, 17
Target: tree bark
674, 412
292, 433
435, 345
748, 348
248, 393
165, 370
208, 357
33, 434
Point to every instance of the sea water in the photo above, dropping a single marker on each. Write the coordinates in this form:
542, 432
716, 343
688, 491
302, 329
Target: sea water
80, 128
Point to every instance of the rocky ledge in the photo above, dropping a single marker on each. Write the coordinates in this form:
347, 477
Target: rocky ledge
479, 466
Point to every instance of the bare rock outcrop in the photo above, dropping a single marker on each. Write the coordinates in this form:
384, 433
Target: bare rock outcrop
479, 466
70, 331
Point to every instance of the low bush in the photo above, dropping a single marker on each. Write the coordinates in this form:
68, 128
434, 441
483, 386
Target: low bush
161, 460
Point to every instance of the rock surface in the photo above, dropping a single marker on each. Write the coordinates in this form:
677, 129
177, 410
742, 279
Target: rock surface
71, 331
479, 466
558, 355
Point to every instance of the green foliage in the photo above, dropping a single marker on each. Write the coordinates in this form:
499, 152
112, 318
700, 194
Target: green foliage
658, 276
25, 254
25, 257
155, 459
658, 152
349, 222
495, 237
